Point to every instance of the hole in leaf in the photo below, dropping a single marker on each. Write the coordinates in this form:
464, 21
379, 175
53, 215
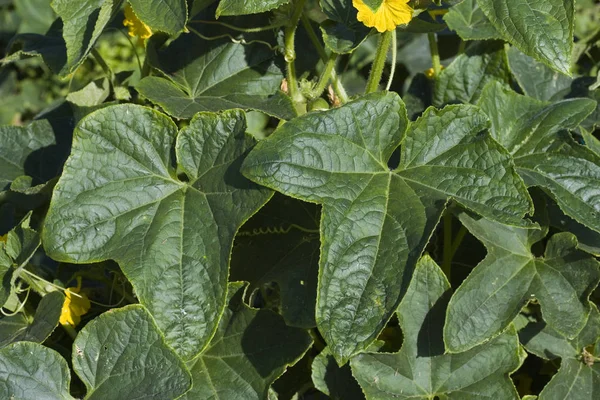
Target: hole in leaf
182, 176
394, 160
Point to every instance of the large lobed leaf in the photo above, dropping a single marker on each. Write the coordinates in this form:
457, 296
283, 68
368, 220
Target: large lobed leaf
376, 222
511, 275
577, 378
421, 370
168, 220
215, 75
545, 156
249, 351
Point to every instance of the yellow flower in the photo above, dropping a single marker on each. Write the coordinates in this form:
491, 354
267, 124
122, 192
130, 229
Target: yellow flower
3, 238
135, 25
76, 304
384, 17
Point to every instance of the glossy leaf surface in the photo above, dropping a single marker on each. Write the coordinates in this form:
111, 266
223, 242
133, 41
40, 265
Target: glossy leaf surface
540, 28
375, 221
511, 275
164, 205
421, 370
544, 155
30, 371
122, 355
215, 75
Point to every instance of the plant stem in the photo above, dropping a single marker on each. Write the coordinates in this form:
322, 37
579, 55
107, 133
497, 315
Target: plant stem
104, 67
383, 46
447, 252
290, 52
338, 88
435, 54
457, 241
325, 76
394, 57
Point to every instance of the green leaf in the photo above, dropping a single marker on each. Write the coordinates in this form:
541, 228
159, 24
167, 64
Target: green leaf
469, 21
83, 23
369, 244
170, 229
236, 7
334, 381
421, 370
536, 79
93, 94
576, 379
30, 371
588, 240
281, 243
545, 156
6, 275
249, 351
17, 328
122, 355
342, 32
464, 79
20, 151
169, 16
51, 47
36, 15
215, 75
542, 29
511, 275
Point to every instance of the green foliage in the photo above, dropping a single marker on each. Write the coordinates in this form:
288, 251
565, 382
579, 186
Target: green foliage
225, 208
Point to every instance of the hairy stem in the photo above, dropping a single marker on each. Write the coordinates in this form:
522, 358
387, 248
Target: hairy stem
383, 46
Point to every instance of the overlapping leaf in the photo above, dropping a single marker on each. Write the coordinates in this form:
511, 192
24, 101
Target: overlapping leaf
469, 21
168, 16
375, 221
542, 83
511, 275
249, 351
464, 79
540, 28
32, 371
236, 7
421, 370
578, 377
168, 221
21, 152
17, 327
215, 75
342, 32
122, 355
544, 155
83, 23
